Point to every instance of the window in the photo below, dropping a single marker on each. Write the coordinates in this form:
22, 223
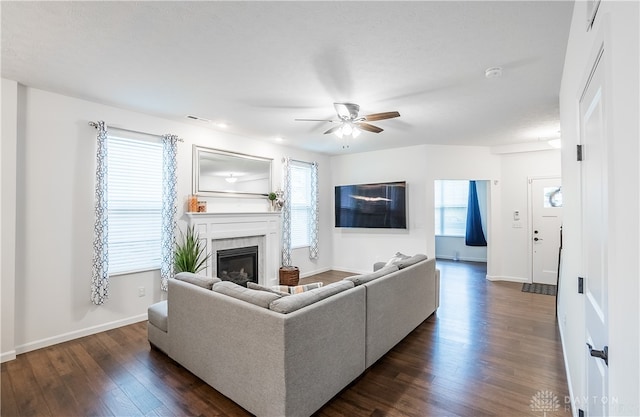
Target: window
451, 198
134, 179
300, 204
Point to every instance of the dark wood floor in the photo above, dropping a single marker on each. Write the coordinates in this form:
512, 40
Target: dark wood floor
488, 351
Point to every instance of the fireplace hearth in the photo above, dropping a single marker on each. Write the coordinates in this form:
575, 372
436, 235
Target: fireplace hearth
238, 265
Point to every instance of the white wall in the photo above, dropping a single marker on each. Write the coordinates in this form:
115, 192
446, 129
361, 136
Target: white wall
454, 247
622, 36
8, 218
419, 166
517, 168
507, 175
55, 172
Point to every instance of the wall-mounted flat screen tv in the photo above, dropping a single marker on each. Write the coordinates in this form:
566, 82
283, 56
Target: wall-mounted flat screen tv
378, 206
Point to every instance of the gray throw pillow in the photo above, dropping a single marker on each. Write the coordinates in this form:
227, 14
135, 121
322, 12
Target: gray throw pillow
364, 278
256, 297
195, 279
297, 301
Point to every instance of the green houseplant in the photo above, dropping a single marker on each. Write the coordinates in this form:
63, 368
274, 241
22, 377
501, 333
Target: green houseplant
272, 199
190, 255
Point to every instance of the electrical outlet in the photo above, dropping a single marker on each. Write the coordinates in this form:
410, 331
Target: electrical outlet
141, 291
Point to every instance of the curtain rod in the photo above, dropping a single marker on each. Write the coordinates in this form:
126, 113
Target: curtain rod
94, 124
297, 160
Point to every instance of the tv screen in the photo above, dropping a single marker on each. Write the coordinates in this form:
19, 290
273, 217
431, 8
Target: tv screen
381, 205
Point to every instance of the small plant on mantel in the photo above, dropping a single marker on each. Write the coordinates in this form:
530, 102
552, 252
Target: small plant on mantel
272, 199
190, 255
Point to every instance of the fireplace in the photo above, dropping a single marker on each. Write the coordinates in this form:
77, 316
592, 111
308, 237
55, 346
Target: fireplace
223, 231
238, 265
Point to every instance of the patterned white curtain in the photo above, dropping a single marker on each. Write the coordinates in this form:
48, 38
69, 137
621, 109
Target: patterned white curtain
286, 212
100, 272
313, 227
169, 208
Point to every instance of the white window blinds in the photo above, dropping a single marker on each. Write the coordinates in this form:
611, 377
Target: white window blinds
300, 204
134, 204
451, 198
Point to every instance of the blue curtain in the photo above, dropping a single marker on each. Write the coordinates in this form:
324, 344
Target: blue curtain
474, 235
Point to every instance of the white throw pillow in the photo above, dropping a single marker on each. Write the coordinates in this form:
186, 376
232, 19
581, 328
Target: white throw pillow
397, 257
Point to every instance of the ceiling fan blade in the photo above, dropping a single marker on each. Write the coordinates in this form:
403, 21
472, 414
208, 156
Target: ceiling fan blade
347, 111
333, 129
381, 116
368, 127
315, 120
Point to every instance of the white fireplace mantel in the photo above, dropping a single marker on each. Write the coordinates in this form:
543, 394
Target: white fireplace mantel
264, 228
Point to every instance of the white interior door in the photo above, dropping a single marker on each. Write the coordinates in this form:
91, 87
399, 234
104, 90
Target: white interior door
546, 200
594, 236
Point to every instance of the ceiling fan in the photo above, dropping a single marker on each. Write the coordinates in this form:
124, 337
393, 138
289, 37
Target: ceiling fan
350, 123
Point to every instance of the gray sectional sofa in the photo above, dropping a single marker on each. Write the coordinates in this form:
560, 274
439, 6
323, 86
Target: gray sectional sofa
290, 355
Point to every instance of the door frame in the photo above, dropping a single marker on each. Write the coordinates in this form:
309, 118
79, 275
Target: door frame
601, 43
530, 219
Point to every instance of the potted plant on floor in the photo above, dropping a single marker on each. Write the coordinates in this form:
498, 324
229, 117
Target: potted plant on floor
190, 255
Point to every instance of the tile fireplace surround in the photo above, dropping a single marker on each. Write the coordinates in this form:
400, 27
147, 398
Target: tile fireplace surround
235, 230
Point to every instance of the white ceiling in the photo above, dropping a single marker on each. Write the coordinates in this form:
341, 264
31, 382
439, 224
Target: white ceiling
259, 65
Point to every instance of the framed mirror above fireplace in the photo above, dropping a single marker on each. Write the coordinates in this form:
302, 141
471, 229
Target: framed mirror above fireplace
219, 173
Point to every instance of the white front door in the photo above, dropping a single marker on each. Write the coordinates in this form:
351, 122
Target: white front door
594, 236
546, 200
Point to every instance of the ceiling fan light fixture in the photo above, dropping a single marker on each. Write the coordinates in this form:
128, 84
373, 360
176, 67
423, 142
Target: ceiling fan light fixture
347, 129
355, 132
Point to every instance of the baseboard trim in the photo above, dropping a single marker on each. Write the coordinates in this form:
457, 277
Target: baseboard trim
349, 270
7, 356
42, 343
462, 258
314, 272
510, 279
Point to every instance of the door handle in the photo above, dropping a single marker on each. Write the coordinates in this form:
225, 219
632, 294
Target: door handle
535, 239
602, 354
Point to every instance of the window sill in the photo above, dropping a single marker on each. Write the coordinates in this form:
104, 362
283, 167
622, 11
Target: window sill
137, 271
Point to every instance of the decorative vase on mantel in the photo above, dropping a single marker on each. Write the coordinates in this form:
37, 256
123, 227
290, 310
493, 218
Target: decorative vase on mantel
279, 201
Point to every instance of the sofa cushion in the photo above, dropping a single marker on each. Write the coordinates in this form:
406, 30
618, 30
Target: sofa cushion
410, 261
195, 279
298, 288
297, 301
254, 286
256, 297
158, 314
364, 278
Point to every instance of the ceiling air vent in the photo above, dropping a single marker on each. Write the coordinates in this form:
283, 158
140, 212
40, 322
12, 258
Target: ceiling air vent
196, 118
